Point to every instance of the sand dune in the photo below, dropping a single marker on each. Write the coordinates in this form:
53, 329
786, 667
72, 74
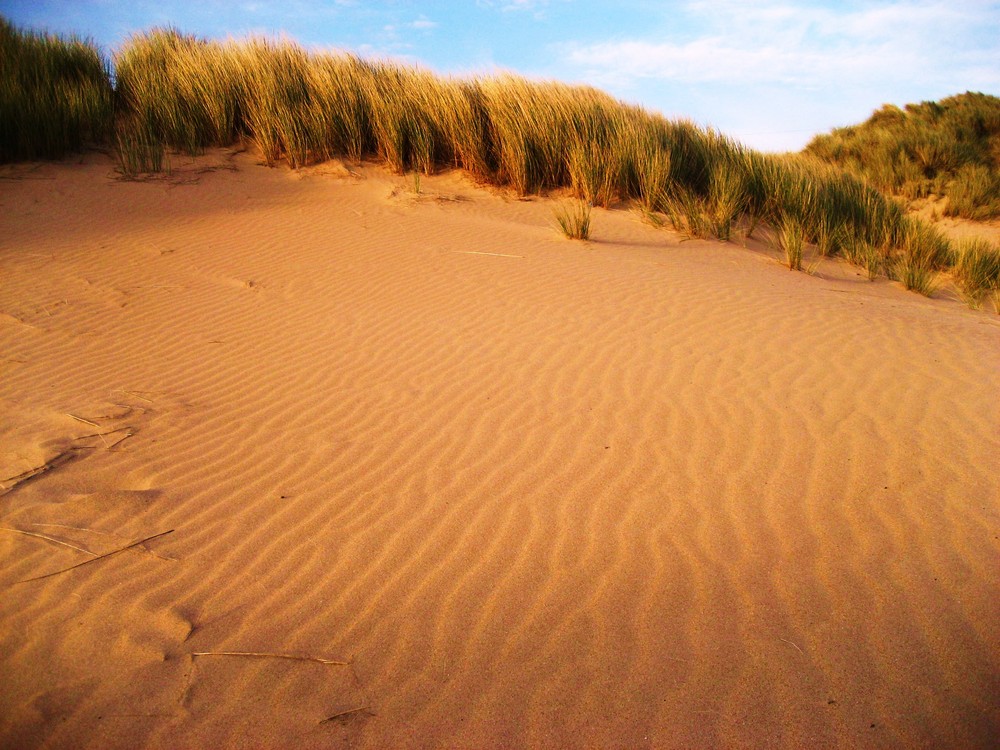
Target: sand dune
637, 492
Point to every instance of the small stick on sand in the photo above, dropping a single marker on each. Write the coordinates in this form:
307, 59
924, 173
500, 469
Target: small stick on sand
107, 445
48, 539
120, 440
342, 714
793, 645
135, 395
99, 557
495, 255
101, 533
74, 528
30, 474
85, 421
101, 434
263, 655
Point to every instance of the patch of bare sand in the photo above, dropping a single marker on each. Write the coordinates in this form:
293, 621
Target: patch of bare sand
956, 228
636, 492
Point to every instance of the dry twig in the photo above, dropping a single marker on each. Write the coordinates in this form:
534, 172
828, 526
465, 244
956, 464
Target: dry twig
265, 655
792, 645
30, 474
478, 252
99, 557
154, 553
48, 539
342, 714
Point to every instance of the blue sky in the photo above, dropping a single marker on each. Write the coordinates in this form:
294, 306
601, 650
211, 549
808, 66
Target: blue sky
771, 74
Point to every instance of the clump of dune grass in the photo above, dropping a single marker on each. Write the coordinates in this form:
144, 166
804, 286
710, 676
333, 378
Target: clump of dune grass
791, 239
828, 236
727, 198
925, 251
876, 261
138, 150
948, 148
916, 274
975, 191
574, 220
590, 174
873, 259
977, 271
179, 90
55, 94
650, 164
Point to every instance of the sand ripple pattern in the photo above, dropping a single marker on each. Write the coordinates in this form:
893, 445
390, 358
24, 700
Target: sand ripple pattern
635, 493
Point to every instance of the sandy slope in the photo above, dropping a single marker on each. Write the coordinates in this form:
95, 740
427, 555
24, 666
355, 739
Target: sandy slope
637, 492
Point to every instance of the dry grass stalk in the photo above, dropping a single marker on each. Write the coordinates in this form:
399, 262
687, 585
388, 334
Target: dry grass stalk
48, 539
102, 435
267, 655
257, 655
26, 476
342, 714
154, 553
99, 557
478, 252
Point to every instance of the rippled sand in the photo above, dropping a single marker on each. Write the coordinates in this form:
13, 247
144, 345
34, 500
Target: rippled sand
632, 493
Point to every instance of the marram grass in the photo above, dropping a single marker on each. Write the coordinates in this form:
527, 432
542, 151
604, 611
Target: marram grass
55, 95
791, 238
977, 271
574, 222
175, 92
947, 148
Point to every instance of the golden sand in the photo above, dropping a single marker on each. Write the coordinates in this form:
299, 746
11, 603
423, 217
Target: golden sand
638, 492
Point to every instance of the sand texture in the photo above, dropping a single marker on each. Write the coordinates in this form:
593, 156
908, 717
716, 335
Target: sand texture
636, 492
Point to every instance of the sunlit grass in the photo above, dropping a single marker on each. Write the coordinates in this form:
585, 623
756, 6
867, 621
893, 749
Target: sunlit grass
175, 92
574, 221
977, 271
791, 239
945, 148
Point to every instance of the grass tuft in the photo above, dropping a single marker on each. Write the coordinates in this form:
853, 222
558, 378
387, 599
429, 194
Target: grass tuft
977, 272
727, 198
574, 222
916, 273
791, 239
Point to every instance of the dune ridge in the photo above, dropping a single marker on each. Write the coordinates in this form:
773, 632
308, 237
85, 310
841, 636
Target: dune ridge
637, 492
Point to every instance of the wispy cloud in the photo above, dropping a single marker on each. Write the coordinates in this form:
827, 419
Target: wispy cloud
536, 7
804, 45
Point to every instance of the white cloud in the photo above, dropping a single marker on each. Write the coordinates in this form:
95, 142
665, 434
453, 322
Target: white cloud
537, 6
804, 46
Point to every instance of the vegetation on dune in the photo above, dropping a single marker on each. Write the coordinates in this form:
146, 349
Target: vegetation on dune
574, 222
178, 92
977, 271
948, 148
55, 95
